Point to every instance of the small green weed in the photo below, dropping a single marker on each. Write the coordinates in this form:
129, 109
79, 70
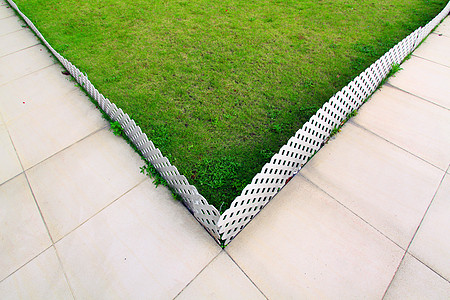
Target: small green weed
394, 69
337, 129
116, 128
334, 131
151, 172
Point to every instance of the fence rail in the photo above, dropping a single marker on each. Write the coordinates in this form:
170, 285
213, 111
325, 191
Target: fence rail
283, 165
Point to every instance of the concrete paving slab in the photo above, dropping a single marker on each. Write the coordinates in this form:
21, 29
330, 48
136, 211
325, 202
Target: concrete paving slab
9, 162
11, 24
424, 79
221, 279
431, 245
17, 41
42, 278
6, 11
418, 126
444, 28
305, 245
60, 125
143, 246
78, 182
383, 184
23, 234
17, 101
24, 62
435, 48
414, 280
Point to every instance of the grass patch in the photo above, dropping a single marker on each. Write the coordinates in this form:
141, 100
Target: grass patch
219, 86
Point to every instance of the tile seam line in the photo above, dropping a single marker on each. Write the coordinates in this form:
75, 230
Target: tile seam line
395, 273
79, 225
26, 263
351, 211
353, 122
12, 178
415, 233
28, 47
27, 74
67, 147
431, 61
45, 159
434, 271
29, 185
6, 16
419, 97
15, 151
99, 211
48, 230
66, 277
23, 49
212, 259
246, 275
12, 32
39, 208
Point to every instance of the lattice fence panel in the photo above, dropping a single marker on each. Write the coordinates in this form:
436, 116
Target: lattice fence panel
425, 31
206, 214
283, 165
313, 135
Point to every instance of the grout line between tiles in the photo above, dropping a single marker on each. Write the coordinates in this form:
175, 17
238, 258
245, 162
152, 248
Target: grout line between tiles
12, 178
17, 51
393, 276
353, 122
7, 7
347, 208
67, 147
15, 271
54, 242
38, 207
198, 274
232, 259
37, 43
23, 28
414, 235
34, 198
429, 60
45, 159
429, 267
102, 209
27, 74
64, 271
402, 90
37, 204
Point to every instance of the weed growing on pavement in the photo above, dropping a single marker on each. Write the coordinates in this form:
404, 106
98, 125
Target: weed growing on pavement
116, 128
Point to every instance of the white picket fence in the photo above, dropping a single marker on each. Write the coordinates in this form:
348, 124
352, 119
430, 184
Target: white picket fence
283, 165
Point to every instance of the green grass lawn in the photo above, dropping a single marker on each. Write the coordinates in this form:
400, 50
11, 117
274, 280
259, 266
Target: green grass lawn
219, 86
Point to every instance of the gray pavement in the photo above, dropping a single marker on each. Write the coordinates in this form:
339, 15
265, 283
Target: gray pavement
367, 217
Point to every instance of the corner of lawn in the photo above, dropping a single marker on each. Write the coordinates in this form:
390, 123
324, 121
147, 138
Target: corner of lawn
220, 86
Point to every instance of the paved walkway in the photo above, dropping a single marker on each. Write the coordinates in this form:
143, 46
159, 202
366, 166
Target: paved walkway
368, 217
